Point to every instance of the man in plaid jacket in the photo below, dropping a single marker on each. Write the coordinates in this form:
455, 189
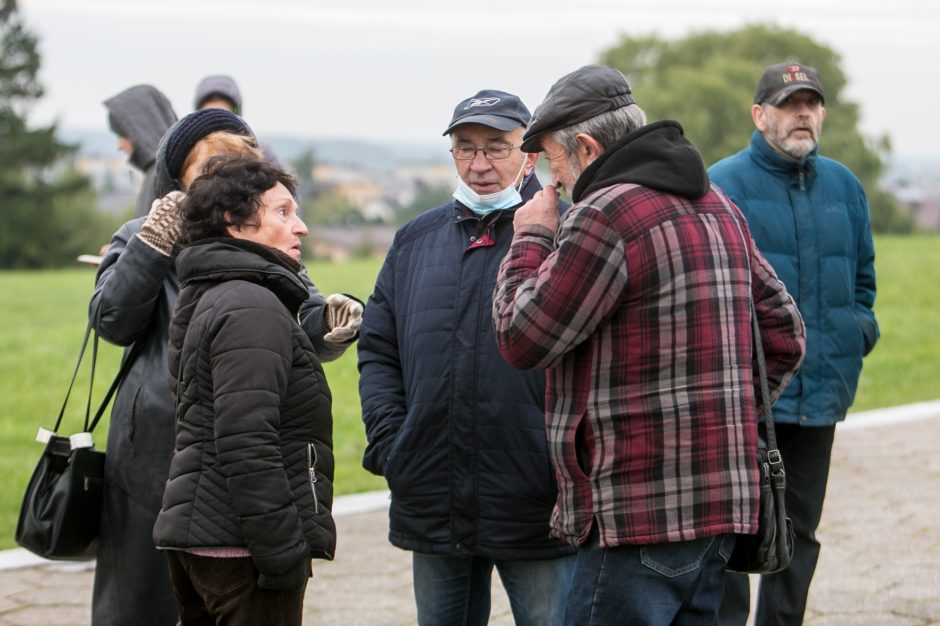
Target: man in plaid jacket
638, 304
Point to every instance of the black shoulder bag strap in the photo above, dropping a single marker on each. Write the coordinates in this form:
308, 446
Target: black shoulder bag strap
765, 422
126, 362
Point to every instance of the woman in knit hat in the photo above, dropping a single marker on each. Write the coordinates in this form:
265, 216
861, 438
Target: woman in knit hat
135, 293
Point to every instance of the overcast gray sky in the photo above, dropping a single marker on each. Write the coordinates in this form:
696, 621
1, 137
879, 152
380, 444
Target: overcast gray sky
392, 70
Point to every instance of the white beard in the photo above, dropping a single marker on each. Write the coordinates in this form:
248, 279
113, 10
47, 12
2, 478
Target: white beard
797, 148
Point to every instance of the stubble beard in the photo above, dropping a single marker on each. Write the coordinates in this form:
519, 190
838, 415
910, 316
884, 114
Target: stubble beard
797, 148
790, 146
575, 168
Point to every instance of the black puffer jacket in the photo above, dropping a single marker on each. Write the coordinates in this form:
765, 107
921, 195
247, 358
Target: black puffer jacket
253, 409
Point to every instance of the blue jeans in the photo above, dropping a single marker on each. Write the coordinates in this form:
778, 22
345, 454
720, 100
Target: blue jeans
455, 590
650, 585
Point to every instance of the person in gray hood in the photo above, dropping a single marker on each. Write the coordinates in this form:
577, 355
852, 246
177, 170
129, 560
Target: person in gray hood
220, 91
139, 116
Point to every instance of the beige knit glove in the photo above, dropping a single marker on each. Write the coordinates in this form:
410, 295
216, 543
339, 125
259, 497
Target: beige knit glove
161, 229
343, 317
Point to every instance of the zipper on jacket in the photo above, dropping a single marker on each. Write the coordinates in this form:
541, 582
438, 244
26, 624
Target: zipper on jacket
312, 470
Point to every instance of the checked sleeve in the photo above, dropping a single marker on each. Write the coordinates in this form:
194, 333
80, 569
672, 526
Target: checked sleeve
551, 295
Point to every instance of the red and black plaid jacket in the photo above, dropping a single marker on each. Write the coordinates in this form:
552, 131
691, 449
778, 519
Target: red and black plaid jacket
639, 307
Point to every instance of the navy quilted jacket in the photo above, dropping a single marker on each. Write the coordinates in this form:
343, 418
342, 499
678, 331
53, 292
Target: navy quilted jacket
458, 434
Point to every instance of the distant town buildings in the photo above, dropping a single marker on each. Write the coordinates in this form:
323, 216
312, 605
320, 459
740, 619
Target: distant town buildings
379, 195
916, 185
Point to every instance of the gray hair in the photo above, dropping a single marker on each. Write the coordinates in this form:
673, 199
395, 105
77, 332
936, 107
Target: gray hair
606, 128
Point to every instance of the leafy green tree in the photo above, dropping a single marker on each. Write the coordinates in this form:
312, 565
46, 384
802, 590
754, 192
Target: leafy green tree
47, 208
707, 81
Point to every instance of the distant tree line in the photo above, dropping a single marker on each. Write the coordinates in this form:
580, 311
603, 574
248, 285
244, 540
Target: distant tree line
705, 80
47, 208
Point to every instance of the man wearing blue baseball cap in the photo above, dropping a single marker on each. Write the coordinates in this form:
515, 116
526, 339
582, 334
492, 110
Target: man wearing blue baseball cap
459, 434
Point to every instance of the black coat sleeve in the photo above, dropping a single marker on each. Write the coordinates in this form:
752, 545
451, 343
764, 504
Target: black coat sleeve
129, 283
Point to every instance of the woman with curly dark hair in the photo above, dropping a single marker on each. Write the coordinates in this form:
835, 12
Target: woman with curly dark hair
135, 294
248, 501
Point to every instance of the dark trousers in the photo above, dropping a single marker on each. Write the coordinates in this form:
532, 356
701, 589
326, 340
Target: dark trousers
224, 592
781, 599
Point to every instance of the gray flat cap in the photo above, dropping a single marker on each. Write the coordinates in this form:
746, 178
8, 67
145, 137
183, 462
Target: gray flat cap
578, 96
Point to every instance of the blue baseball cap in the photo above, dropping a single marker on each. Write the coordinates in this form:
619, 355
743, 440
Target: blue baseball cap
496, 109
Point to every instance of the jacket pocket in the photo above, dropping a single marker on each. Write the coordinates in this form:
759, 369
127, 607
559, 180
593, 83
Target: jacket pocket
134, 413
392, 456
312, 472
673, 559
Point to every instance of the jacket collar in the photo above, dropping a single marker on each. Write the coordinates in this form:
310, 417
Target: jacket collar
212, 261
773, 161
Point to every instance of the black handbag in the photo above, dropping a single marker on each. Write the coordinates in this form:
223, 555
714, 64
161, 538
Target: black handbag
61, 510
771, 549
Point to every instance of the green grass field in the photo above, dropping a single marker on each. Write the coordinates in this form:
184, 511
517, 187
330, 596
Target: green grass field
43, 315
42, 318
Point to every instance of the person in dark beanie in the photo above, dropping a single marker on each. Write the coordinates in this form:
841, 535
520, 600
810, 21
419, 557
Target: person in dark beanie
638, 303
457, 433
810, 216
248, 501
139, 116
135, 292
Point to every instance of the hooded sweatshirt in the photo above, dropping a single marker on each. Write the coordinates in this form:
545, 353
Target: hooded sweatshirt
226, 87
657, 156
218, 85
142, 114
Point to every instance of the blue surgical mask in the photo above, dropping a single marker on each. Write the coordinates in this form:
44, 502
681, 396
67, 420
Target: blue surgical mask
481, 205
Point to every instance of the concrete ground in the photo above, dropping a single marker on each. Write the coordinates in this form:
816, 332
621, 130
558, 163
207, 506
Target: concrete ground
880, 562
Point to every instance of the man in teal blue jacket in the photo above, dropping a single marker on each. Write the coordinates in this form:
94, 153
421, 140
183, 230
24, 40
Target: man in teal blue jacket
809, 217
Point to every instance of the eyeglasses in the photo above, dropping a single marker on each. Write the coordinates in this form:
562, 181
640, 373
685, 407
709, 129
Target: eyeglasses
490, 153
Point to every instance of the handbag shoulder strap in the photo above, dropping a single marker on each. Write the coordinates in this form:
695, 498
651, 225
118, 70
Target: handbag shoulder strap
129, 357
127, 361
766, 418
81, 353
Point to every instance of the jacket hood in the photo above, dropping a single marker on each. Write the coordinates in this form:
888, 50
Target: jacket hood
773, 161
657, 156
212, 261
144, 114
222, 85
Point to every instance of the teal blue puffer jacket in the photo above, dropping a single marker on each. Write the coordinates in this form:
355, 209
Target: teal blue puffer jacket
810, 219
